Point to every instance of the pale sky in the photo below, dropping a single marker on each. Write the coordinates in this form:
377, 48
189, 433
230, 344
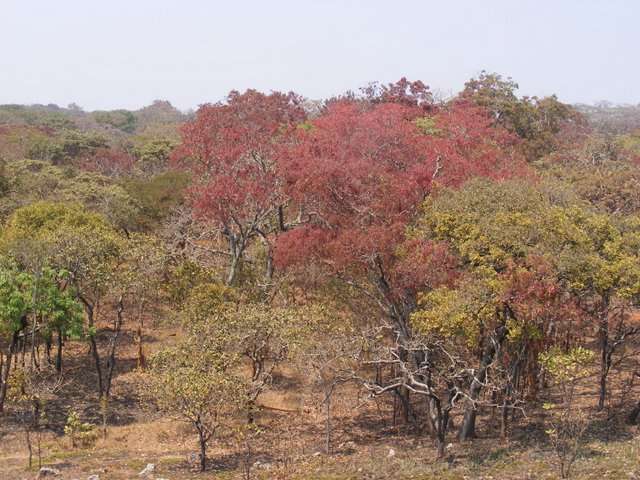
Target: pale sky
105, 54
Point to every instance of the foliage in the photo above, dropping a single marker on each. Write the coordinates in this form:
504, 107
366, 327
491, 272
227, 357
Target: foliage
81, 434
156, 197
537, 121
66, 147
123, 120
34, 181
568, 424
231, 148
195, 384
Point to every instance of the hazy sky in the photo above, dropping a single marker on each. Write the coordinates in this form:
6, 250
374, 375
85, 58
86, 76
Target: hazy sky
116, 53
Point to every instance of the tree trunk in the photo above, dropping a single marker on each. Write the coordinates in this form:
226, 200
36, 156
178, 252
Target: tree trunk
440, 445
141, 361
111, 358
59, 352
504, 422
203, 449
6, 369
328, 423
605, 357
605, 360
468, 427
634, 415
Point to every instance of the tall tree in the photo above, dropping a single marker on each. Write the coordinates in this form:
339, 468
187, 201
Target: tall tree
231, 148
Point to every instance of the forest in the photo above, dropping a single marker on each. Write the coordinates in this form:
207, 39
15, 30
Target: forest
383, 284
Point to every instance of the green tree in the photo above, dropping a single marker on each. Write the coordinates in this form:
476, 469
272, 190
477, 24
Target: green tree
197, 385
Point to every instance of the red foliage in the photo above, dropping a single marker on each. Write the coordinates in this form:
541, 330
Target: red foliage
231, 147
402, 92
360, 173
108, 161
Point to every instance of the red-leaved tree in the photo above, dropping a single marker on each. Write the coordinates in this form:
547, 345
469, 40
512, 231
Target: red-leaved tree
231, 149
360, 172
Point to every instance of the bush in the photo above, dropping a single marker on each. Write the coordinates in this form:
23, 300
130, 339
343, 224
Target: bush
81, 434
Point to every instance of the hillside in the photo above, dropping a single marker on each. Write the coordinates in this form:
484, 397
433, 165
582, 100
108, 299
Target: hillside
377, 285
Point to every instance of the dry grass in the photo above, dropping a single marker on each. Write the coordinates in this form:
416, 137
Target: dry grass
293, 436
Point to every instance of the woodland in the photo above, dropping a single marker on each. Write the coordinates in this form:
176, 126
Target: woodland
383, 284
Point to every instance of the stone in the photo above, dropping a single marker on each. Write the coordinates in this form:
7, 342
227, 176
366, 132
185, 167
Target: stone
46, 472
148, 470
262, 465
93, 477
392, 453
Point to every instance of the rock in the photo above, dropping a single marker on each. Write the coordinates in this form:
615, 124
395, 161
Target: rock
392, 453
317, 454
262, 465
46, 472
93, 477
148, 470
347, 446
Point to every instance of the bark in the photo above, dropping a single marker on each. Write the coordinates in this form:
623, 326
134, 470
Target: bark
6, 369
605, 360
634, 415
111, 359
59, 352
141, 361
328, 424
202, 439
468, 427
236, 250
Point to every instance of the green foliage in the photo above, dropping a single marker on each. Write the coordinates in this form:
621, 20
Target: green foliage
185, 277
123, 120
153, 156
567, 366
195, 383
463, 311
631, 142
48, 116
568, 423
59, 308
156, 197
427, 125
81, 434
66, 146
34, 181
537, 121
67, 237
259, 332
40, 294
493, 225
15, 299
601, 173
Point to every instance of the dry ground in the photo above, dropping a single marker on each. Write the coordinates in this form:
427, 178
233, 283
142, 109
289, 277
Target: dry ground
367, 444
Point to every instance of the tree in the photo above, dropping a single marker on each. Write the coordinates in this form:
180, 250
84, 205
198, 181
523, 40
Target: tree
145, 262
84, 245
153, 156
35, 181
196, 385
568, 422
358, 174
230, 147
329, 363
259, 334
32, 307
493, 226
15, 302
539, 122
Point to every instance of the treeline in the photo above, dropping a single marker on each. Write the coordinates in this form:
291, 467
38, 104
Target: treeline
457, 258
